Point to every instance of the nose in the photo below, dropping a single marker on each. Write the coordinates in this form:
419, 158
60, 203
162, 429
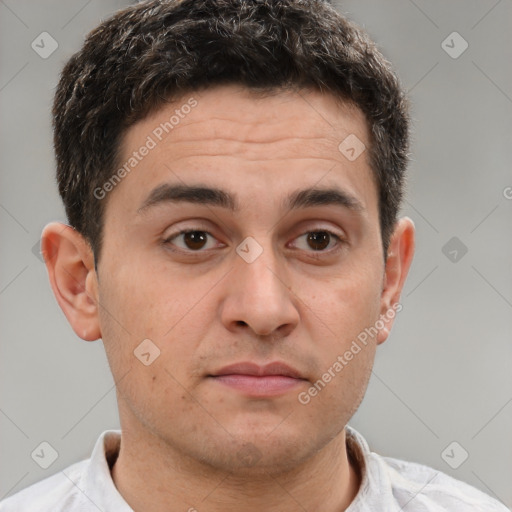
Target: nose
259, 295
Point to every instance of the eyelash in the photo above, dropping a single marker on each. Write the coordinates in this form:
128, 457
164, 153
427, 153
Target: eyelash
167, 241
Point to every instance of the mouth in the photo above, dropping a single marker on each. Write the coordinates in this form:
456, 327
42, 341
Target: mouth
272, 379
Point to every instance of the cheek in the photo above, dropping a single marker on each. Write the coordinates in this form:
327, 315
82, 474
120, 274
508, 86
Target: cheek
340, 308
340, 387
144, 299
341, 318
157, 391
147, 305
158, 399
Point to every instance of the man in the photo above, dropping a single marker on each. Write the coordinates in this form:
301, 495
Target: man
232, 174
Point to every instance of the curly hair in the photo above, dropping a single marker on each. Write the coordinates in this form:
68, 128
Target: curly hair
154, 51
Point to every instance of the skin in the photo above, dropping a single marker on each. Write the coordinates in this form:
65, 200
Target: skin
184, 433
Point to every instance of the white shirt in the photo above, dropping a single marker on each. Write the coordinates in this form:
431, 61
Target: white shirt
388, 485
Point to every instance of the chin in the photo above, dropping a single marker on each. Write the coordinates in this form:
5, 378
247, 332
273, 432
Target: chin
273, 449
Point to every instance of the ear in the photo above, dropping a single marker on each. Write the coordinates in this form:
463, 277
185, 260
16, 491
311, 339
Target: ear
398, 262
70, 263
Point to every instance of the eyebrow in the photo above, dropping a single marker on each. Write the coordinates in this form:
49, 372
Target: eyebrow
211, 196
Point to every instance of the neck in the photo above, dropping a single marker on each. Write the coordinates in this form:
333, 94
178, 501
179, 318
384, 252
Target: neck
150, 475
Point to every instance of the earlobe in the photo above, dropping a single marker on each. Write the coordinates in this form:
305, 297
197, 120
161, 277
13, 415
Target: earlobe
398, 262
70, 264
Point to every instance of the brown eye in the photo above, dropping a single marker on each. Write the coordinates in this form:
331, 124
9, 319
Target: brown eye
192, 240
319, 241
195, 239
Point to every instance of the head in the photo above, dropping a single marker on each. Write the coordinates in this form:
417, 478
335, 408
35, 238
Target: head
275, 135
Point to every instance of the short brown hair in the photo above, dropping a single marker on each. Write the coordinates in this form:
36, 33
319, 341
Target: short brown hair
153, 51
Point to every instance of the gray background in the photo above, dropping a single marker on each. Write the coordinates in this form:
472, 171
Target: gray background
443, 376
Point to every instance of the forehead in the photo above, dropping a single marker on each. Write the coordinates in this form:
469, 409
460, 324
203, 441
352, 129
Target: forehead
252, 117
258, 110
228, 136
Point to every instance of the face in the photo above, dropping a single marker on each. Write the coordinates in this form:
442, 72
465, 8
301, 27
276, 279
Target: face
265, 276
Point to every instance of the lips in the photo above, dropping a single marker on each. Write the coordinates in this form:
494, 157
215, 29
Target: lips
248, 368
254, 380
